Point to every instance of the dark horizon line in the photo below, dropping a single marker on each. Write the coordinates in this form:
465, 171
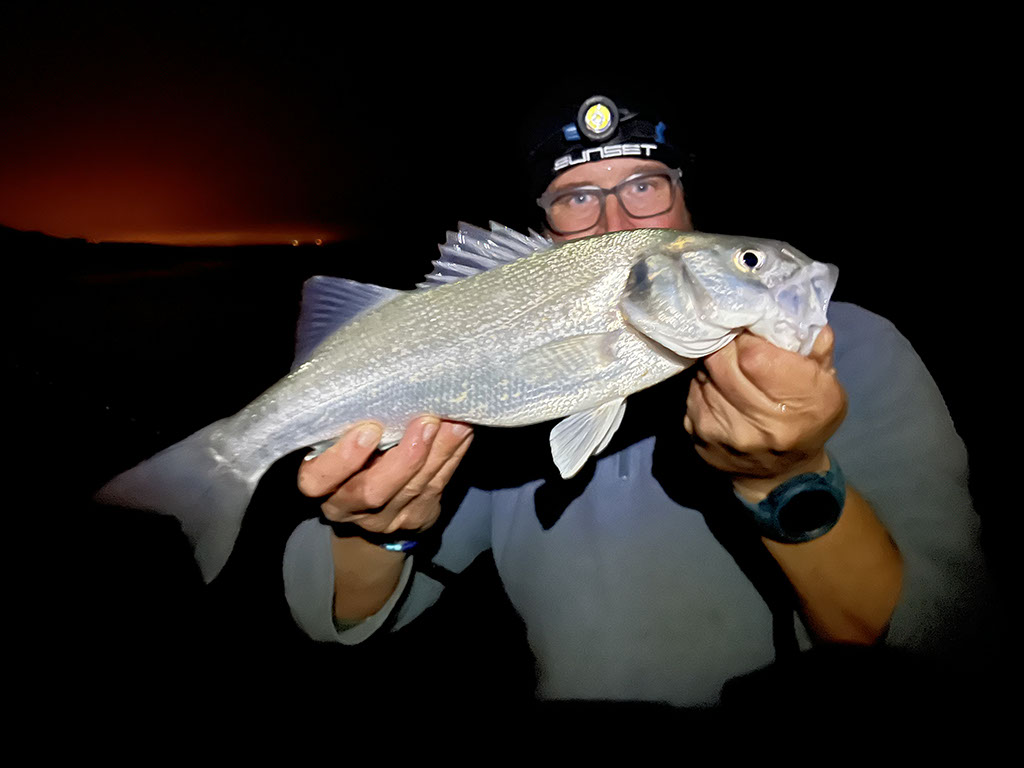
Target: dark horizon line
8, 231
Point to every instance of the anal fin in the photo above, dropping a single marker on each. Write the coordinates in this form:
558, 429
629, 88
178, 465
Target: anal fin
319, 448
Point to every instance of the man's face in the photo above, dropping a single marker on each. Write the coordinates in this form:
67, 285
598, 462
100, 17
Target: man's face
608, 173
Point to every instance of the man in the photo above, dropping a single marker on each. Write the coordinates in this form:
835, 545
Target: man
634, 594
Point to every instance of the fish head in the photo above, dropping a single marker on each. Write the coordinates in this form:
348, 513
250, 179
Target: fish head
693, 293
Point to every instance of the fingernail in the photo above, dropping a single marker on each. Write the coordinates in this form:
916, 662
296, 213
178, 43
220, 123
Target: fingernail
369, 436
429, 429
461, 430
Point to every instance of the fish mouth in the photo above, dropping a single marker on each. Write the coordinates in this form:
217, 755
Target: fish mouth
807, 291
803, 302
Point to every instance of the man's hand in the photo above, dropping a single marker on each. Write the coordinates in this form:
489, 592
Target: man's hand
399, 489
384, 492
762, 414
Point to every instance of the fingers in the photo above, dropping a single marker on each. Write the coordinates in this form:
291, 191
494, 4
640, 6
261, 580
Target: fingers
389, 472
401, 488
450, 446
417, 506
759, 407
753, 373
731, 380
322, 475
722, 434
824, 348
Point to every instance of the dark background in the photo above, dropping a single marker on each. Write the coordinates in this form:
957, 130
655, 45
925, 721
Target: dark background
870, 152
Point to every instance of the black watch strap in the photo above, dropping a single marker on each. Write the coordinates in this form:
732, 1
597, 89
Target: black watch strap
802, 508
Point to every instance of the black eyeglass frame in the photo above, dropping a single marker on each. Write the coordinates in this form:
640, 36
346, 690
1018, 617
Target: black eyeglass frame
546, 200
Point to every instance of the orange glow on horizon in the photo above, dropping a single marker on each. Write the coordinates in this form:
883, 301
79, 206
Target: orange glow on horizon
158, 177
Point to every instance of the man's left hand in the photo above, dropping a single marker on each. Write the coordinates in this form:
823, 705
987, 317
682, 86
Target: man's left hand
762, 414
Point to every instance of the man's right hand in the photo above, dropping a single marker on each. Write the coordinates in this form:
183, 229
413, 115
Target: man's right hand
399, 489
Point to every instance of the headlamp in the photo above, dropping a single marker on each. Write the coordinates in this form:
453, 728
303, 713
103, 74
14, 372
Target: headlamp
601, 130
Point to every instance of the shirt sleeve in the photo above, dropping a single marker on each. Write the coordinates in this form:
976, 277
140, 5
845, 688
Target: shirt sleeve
309, 574
309, 587
899, 448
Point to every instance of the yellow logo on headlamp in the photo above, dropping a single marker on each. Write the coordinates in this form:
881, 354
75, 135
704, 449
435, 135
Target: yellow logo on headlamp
598, 118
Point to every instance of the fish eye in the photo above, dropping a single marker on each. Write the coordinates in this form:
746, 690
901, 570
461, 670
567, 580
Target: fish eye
750, 260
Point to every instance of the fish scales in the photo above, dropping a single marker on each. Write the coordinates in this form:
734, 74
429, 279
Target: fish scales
363, 370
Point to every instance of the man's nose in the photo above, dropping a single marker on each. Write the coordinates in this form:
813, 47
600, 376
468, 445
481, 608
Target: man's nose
616, 218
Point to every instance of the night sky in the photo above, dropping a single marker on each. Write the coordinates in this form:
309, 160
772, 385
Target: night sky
225, 128
240, 126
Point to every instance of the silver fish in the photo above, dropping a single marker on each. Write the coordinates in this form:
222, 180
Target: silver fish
508, 331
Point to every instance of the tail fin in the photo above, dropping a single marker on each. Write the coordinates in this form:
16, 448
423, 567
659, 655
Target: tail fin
193, 481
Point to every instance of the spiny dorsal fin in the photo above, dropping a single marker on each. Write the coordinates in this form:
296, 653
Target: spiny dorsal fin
472, 250
327, 304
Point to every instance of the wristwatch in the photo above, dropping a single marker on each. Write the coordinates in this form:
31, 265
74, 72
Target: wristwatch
802, 508
393, 542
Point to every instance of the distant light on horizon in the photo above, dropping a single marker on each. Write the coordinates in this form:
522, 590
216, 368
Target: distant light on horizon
238, 237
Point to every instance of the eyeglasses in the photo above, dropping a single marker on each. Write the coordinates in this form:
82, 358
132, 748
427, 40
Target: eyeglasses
642, 195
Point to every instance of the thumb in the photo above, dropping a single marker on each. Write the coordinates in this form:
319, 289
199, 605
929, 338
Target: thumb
824, 348
326, 472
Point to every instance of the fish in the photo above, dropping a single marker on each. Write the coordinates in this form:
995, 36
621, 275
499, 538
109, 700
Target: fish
508, 330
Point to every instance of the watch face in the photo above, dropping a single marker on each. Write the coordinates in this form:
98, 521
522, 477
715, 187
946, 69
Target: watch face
805, 515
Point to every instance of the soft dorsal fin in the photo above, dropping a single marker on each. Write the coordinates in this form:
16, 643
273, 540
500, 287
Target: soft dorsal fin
472, 250
330, 302
327, 304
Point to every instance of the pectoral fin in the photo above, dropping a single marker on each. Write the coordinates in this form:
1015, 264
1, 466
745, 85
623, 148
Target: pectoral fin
578, 437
